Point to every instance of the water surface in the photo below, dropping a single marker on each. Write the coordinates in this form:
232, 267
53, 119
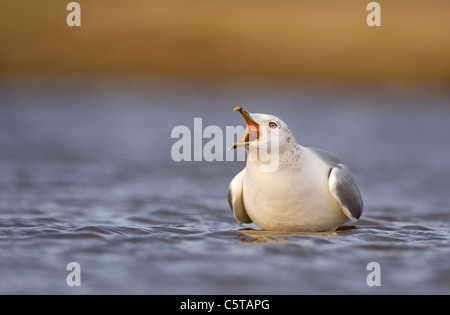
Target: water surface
86, 175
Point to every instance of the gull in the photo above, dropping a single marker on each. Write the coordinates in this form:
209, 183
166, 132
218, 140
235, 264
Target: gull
309, 190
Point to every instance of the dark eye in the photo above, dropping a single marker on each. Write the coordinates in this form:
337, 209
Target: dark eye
273, 125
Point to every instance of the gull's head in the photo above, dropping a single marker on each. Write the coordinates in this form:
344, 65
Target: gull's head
263, 132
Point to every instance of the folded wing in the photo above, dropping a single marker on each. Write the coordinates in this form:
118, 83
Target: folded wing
342, 185
235, 198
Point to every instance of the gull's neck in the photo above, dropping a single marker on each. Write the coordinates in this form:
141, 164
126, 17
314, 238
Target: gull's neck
288, 159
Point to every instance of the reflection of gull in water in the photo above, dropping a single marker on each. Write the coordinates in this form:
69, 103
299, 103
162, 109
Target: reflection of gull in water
262, 236
308, 190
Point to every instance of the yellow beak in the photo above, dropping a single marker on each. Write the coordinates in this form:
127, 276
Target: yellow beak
254, 132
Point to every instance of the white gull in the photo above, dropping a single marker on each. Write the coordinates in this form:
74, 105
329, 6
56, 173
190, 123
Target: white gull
311, 190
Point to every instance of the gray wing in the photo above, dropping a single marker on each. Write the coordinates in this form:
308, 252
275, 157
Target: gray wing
235, 192
342, 185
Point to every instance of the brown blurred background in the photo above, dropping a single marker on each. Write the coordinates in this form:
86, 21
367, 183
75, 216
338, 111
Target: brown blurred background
312, 40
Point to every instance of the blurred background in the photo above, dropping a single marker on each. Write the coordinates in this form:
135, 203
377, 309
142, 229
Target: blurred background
86, 115
285, 39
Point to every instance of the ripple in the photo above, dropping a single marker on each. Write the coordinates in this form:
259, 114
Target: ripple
416, 228
69, 236
143, 220
266, 237
113, 230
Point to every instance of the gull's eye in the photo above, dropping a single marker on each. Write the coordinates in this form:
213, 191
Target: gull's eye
273, 125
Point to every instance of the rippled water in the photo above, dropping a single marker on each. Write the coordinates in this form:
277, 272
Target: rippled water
86, 175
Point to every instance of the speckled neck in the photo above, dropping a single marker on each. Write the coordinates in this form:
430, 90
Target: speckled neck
291, 158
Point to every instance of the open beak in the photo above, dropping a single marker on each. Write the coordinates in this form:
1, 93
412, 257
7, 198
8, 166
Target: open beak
253, 130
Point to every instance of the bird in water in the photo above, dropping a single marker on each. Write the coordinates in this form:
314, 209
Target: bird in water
306, 190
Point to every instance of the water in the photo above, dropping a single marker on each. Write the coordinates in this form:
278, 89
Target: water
86, 176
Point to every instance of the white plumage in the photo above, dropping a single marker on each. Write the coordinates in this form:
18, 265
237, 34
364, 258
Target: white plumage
310, 190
